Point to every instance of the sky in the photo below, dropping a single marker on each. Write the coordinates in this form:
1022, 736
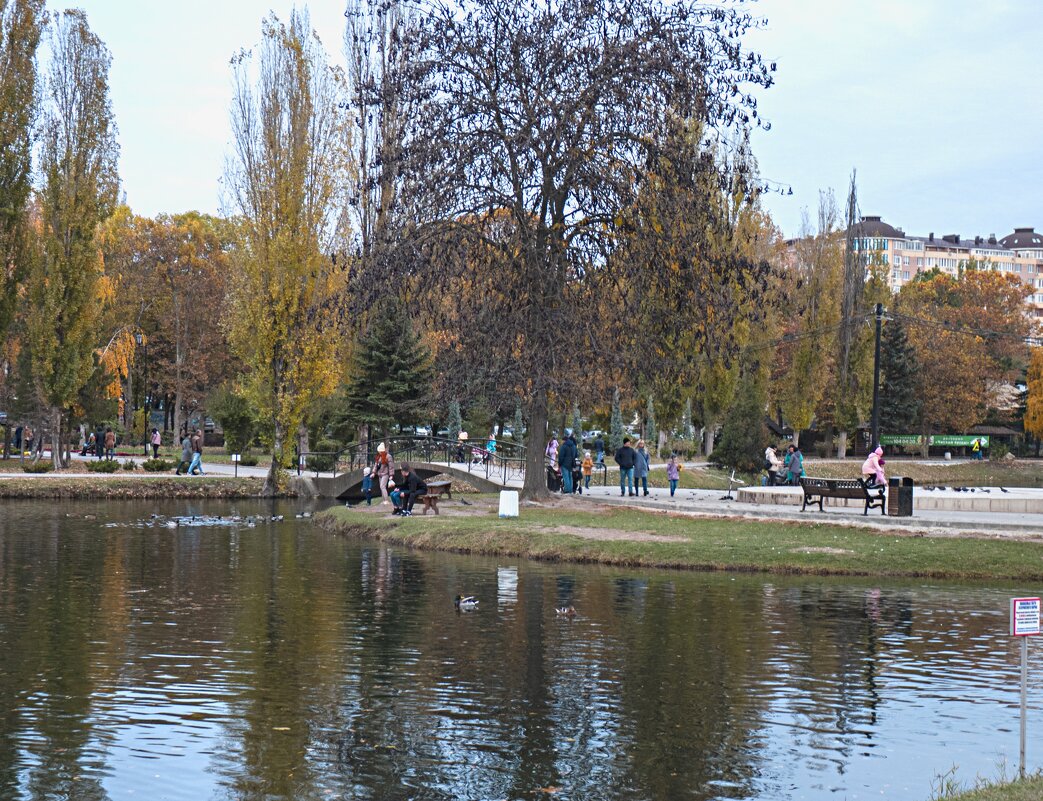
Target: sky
938, 104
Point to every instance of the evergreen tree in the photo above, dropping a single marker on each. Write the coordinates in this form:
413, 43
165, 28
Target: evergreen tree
615, 428
390, 377
687, 430
456, 422
900, 404
519, 424
651, 432
744, 437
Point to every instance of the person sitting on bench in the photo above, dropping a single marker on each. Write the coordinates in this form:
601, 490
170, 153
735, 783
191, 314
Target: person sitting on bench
873, 470
412, 488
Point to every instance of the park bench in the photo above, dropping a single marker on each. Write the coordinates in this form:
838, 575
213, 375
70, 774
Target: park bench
434, 491
822, 488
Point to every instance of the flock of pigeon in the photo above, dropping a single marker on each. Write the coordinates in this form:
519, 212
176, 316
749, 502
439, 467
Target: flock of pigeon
201, 521
965, 489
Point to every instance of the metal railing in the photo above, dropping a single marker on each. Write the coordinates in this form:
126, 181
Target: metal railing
472, 456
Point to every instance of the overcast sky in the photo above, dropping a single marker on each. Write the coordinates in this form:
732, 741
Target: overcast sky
937, 103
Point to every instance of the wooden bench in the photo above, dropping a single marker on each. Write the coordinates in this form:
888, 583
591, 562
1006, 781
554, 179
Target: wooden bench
823, 488
434, 491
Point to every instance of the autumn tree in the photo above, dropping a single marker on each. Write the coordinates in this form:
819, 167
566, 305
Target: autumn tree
285, 180
550, 114
21, 22
66, 285
1034, 401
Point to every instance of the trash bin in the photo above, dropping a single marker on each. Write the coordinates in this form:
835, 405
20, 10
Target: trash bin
900, 497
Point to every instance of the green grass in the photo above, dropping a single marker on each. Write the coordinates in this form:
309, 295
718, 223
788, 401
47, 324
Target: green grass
701, 543
1030, 789
83, 487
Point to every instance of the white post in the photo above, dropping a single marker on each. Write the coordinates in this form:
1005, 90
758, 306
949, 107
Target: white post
1024, 684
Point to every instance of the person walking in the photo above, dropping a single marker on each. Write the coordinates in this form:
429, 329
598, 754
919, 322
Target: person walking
599, 449
976, 448
772, 463
588, 469
110, 444
197, 454
385, 469
157, 440
186, 455
795, 465
642, 465
673, 472
567, 456
490, 449
626, 458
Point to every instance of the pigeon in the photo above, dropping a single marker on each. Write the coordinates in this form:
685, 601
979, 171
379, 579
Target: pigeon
1004, 489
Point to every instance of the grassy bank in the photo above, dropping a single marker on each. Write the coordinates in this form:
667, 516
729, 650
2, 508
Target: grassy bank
90, 487
620, 536
1031, 789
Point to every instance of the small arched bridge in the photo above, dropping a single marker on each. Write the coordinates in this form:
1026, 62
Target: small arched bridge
339, 475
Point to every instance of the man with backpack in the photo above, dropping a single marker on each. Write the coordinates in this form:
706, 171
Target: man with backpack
626, 458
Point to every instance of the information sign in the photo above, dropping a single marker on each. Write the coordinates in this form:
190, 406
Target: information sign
1024, 617
957, 440
901, 439
237, 457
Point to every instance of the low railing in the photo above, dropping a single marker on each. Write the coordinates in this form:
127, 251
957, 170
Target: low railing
504, 465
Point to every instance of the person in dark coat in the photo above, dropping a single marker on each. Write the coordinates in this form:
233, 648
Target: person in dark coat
626, 458
412, 488
568, 456
599, 450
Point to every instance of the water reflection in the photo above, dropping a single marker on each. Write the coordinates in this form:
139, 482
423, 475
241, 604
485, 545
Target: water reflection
277, 662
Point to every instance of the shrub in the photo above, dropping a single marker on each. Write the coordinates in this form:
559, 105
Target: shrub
38, 467
998, 450
325, 459
103, 466
130, 465
248, 460
157, 465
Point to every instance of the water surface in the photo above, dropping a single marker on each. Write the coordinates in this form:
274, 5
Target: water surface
279, 662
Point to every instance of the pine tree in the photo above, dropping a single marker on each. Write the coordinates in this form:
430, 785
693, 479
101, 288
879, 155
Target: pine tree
651, 432
615, 428
519, 424
900, 404
456, 422
390, 376
742, 442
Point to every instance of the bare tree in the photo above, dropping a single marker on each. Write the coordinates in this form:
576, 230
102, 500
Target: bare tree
535, 125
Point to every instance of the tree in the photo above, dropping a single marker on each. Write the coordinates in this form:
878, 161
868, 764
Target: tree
1034, 400
456, 423
236, 417
536, 126
389, 379
577, 423
615, 429
899, 371
286, 182
66, 285
744, 434
687, 430
519, 424
651, 432
21, 22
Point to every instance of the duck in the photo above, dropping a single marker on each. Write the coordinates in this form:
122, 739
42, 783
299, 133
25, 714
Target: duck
465, 602
565, 611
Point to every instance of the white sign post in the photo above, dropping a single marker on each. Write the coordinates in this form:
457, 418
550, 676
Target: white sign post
1024, 623
236, 458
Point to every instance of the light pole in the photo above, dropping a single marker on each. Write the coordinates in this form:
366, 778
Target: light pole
875, 432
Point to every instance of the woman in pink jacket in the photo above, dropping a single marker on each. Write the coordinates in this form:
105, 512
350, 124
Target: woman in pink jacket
873, 468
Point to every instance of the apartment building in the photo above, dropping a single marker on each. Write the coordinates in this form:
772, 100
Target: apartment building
903, 256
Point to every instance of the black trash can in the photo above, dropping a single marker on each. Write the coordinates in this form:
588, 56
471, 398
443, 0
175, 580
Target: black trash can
900, 497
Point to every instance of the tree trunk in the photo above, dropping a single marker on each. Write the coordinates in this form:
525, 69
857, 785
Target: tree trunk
303, 445
535, 486
708, 438
842, 444
796, 437
56, 439
271, 481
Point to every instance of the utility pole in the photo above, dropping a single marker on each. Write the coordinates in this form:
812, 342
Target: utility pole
875, 438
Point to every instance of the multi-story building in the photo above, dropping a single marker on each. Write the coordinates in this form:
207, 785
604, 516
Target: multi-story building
903, 256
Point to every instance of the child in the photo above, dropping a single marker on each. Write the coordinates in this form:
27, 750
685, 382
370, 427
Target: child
873, 470
396, 497
673, 473
367, 485
588, 468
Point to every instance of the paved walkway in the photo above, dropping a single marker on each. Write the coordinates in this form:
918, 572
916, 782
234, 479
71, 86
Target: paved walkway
712, 503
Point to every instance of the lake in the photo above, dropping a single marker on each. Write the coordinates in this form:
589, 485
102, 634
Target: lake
163, 657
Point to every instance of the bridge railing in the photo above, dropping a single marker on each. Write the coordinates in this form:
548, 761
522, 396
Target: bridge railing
505, 464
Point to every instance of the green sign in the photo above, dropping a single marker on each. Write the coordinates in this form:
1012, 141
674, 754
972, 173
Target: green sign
901, 439
957, 440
